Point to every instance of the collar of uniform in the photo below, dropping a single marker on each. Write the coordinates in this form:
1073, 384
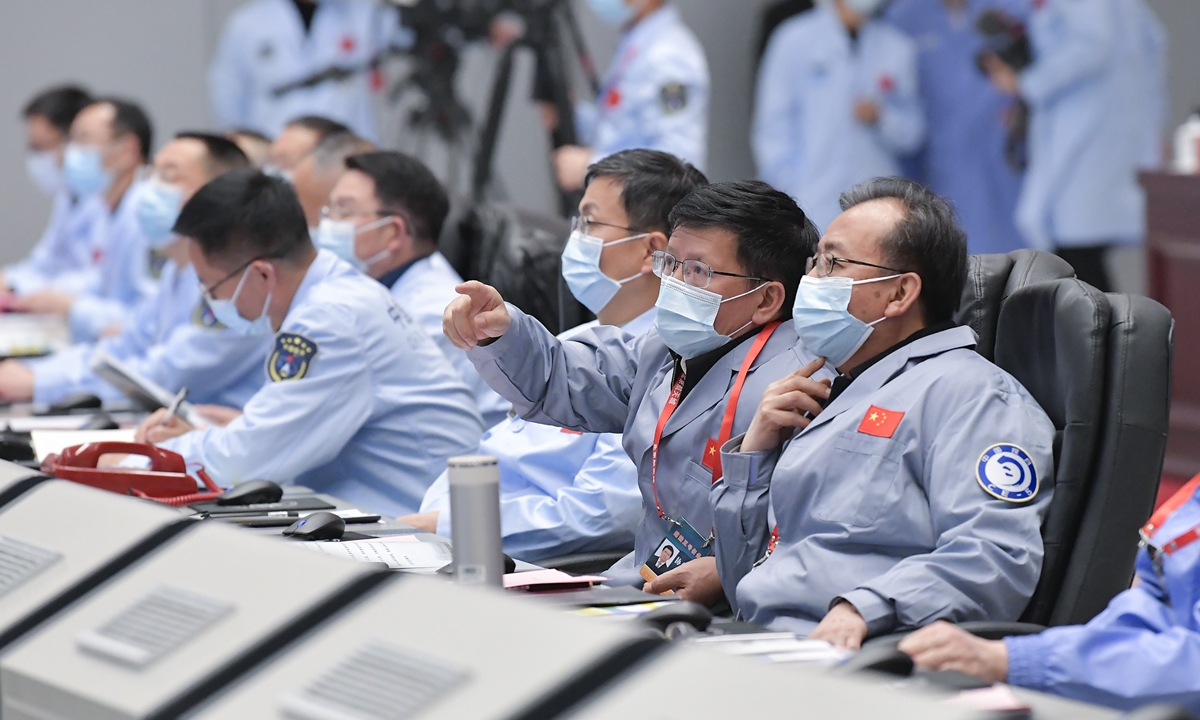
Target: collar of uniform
652, 24
842, 381
893, 363
394, 276
323, 265
699, 366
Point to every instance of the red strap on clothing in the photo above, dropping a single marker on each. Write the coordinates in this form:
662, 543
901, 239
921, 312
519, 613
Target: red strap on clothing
667, 411
731, 406
1182, 541
1169, 507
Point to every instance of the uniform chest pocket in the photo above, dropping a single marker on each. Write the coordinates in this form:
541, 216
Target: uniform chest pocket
858, 479
697, 473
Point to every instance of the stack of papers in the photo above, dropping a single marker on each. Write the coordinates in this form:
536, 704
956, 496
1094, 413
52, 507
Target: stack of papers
399, 552
549, 581
777, 647
25, 335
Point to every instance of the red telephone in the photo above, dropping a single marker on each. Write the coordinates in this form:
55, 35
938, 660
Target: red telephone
166, 481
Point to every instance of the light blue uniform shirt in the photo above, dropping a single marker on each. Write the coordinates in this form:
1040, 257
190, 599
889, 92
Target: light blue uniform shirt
1154, 71
122, 278
264, 46
368, 411
655, 94
1087, 129
560, 491
172, 340
63, 258
424, 290
806, 140
881, 499
1144, 648
963, 157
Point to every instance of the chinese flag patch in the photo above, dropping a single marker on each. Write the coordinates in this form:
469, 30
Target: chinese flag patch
613, 98
886, 84
348, 43
712, 458
571, 432
879, 422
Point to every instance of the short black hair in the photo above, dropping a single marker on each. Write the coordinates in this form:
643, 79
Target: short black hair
322, 126
223, 154
927, 241
652, 182
59, 105
244, 215
775, 237
404, 185
130, 119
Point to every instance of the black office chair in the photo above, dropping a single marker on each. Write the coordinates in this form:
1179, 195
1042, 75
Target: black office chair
991, 279
1053, 338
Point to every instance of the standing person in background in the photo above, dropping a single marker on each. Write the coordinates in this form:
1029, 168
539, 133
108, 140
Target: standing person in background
837, 104
1087, 131
63, 256
654, 96
963, 159
1154, 85
109, 146
270, 44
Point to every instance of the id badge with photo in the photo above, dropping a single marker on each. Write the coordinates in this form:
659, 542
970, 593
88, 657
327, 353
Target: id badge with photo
682, 544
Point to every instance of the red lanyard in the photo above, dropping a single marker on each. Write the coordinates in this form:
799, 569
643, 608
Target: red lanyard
1168, 508
726, 423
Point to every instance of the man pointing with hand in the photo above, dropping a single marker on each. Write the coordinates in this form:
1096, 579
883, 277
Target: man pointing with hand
728, 276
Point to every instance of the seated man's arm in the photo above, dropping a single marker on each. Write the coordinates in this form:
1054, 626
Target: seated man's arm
290, 426
988, 551
582, 384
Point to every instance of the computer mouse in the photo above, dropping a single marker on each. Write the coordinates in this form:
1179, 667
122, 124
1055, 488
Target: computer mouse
320, 525
684, 611
78, 401
251, 492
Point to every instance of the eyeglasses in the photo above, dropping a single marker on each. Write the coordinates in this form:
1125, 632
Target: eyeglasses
825, 262
695, 273
582, 224
208, 291
336, 213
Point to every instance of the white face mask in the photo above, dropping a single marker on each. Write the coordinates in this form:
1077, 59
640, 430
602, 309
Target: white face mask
581, 270
337, 236
226, 312
686, 315
44, 170
823, 321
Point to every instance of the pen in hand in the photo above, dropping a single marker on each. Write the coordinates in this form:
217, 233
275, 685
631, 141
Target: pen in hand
173, 409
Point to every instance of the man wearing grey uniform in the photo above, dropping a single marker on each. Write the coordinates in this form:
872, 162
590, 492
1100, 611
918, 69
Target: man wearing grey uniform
913, 488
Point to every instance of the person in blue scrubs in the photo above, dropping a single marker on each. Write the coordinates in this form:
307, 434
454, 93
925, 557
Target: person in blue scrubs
109, 146
562, 491
1143, 648
359, 403
63, 255
963, 158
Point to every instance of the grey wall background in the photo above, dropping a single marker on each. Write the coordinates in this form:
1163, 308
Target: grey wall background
157, 51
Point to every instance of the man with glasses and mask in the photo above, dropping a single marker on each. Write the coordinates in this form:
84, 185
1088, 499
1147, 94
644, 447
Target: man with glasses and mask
735, 255
563, 491
384, 217
913, 487
359, 402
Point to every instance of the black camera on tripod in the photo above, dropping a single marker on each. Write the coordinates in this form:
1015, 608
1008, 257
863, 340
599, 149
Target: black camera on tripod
1005, 37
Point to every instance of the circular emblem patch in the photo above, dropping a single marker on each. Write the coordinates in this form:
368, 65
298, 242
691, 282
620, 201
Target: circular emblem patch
1007, 472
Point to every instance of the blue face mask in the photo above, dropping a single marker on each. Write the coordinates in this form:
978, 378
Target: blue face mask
686, 315
44, 171
337, 236
613, 12
157, 210
84, 171
226, 312
823, 320
581, 270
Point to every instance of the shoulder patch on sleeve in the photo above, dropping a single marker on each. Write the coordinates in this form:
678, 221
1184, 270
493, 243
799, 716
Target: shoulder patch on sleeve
673, 97
202, 316
1006, 471
291, 357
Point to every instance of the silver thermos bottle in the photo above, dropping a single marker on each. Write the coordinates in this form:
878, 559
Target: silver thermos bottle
475, 519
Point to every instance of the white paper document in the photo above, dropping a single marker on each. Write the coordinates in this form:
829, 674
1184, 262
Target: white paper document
415, 556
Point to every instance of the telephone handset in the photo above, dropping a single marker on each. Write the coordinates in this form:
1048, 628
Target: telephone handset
166, 480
